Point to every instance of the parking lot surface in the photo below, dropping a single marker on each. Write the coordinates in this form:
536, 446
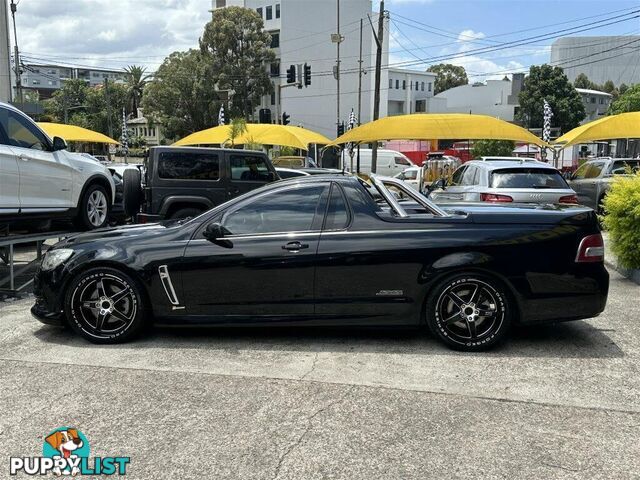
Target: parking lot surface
557, 401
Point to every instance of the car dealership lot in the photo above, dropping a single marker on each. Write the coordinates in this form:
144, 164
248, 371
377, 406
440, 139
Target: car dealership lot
554, 402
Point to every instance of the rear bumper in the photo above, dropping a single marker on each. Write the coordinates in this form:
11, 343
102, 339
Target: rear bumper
148, 218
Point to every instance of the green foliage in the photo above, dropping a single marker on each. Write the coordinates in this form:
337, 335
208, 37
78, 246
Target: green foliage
623, 88
448, 76
622, 219
629, 101
550, 83
493, 148
582, 81
136, 80
238, 127
181, 97
236, 51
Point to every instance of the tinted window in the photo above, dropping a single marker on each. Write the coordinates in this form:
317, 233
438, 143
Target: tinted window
402, 161
281, 211
588, 170
249, 167
620, 167
275, 40
527, 178
277, 10
20, 132
337, 216
456, 178
189, 166
269, 12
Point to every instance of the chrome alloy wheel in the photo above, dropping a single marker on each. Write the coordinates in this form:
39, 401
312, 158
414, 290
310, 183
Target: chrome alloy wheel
470, 311
104, 305
97, 208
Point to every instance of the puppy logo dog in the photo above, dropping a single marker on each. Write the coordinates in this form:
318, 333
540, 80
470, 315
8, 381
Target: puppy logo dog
68, 443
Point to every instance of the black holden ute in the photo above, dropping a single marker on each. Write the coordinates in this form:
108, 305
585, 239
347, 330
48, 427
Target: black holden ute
332, 251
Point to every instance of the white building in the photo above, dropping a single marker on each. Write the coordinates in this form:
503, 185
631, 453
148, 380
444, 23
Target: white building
301, 33
5, 56
142, 128
603, 58
596, 103
497, 98
409, 91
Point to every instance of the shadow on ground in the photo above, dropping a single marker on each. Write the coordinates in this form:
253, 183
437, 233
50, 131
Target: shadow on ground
565, 340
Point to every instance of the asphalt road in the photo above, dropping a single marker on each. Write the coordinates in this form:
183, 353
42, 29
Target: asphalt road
554, 402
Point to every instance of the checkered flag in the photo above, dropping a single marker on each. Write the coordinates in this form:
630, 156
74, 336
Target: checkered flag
352, 124
548, 114
124, 138
221, 115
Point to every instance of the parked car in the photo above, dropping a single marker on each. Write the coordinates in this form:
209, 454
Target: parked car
505, 182
39, 178
507, 159
288, 161
320, 250
411, 176
182, 182
388, 162
592, 179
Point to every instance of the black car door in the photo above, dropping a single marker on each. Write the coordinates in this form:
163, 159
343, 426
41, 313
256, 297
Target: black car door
247, 171
263, 268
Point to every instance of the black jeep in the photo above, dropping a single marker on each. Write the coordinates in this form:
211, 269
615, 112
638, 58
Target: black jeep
179, 182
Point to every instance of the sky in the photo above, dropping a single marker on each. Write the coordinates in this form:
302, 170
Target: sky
116, 33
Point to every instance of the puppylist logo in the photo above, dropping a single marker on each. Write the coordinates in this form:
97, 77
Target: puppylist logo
66, 452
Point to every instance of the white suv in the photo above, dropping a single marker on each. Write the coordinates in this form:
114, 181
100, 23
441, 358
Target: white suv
39, 178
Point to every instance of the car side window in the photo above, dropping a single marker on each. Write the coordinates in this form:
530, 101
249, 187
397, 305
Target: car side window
456, 178
292, 210
188, 166
402, 161
469, 176
20, 132
249, 168
588, 170
337, 214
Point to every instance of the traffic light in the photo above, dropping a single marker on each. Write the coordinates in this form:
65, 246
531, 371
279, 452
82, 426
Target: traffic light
307, 75
291, 74
341, 128
285, 118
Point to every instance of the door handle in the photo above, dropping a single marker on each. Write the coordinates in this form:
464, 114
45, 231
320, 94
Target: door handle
295, 246
24, 158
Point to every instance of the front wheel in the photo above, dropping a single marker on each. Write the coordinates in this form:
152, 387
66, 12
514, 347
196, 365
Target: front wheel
104, 305
469, 312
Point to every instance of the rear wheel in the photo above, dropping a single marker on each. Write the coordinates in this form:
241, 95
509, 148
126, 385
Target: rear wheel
104, 305
469, 312
94, 208
185, 212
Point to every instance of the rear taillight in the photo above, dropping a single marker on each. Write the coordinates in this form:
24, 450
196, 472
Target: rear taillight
493, 197
591, 249
572, 199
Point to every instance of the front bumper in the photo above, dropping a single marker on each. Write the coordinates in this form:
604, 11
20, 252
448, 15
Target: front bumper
49, 318
48, 306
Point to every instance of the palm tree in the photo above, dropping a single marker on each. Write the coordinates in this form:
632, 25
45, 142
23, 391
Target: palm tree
136, 80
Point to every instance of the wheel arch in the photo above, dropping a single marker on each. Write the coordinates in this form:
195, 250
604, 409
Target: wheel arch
172, 204
96, 179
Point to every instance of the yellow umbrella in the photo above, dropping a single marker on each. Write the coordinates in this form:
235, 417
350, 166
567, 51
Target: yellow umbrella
73, 133
438, 126
264, 133
624, 125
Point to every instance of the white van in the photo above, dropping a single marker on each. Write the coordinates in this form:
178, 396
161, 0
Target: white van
389, 162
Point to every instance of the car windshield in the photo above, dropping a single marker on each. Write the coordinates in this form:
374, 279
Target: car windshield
527, 178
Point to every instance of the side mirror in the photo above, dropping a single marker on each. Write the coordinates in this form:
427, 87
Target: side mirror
273, 177
59, 144
440, 183
215, 231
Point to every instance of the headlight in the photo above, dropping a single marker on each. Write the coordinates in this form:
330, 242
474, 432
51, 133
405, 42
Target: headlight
53, 258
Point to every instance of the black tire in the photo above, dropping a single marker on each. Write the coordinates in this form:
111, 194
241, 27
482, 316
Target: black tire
131, 191
185, 212
469, 312
601, 210
86, 218
105, 306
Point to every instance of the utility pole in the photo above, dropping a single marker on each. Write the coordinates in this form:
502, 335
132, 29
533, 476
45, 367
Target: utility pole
359, 96
338, 62
376, 98
106, 96
16, 54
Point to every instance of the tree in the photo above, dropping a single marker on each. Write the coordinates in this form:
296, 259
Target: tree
493, 148
237, 52
550, 83
181, 97
629, 101
104, 106
237, 127
623, 88
67, 101
582, 81
608, 87
448, 76
136, 80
